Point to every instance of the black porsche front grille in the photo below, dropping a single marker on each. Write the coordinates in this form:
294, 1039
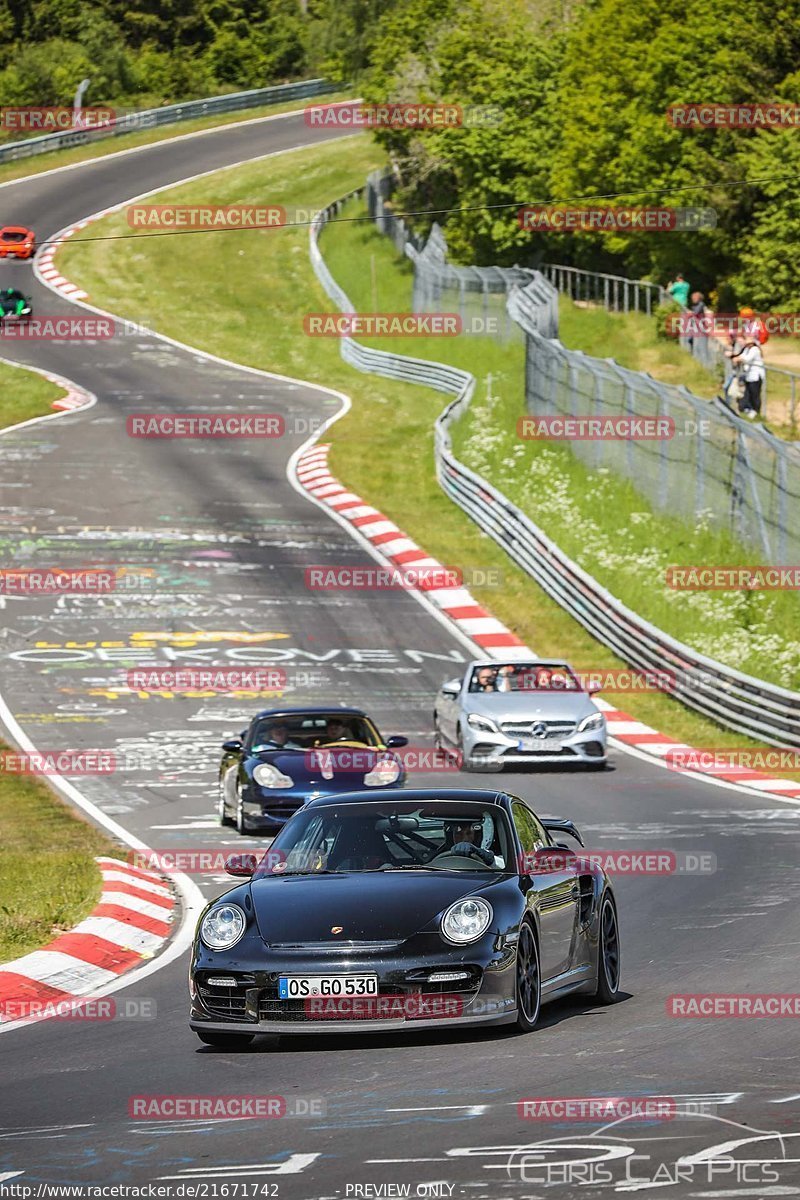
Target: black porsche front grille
231, 1003
228, 1002
270, 1008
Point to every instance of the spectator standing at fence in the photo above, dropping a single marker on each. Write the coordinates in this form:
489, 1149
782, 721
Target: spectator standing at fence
678, 288
698, 311
734, 386
751, 361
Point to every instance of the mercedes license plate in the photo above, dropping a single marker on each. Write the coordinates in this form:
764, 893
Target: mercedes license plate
298, 987
543, 745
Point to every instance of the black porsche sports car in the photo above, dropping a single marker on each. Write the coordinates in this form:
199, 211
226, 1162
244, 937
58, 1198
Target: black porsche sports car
288, 756
423, 908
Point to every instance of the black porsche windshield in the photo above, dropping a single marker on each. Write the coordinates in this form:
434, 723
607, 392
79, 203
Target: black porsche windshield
391, 837
305, 731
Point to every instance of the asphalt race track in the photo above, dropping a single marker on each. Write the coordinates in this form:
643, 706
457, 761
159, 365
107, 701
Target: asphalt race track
226, 537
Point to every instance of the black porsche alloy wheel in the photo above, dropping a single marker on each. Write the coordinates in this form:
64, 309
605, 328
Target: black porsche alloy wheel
222, 812
225, 1041
608, 954
529, 980
240, 824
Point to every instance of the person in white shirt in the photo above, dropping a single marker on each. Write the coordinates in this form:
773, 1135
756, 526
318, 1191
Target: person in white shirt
751, 361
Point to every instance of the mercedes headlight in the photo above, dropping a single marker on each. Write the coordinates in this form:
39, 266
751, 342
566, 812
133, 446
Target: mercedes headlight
466, 920
268, 776
593, 721
485, 723
222, 927
385, 771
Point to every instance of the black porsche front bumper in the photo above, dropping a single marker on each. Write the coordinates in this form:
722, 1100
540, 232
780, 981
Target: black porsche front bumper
406, 999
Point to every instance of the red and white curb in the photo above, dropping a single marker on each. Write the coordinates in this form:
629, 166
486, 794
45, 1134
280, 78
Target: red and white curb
76, 397
478, 624
131, 923
47, 269
453, 602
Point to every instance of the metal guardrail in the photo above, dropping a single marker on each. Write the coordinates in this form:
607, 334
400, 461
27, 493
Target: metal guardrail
169, 114
738, 701
615, 292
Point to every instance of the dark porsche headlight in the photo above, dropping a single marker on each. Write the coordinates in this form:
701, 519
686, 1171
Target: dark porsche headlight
466, 920
385, 772
222, 927
267, 775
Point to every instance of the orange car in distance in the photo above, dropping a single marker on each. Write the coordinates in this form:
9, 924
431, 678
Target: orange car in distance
16, 242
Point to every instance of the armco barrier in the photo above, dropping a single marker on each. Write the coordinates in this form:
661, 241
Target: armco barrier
169, 114
750, 706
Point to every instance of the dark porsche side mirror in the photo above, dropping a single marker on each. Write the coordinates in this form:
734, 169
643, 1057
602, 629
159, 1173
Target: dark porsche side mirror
395, 742
548, 860
233, 745
241, 864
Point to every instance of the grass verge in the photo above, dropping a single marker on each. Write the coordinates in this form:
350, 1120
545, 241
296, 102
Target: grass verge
22, 168
383, 447
25, 394
48, 878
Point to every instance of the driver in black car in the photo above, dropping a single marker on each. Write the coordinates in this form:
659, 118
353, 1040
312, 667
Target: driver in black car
278, 739
337, 731
466, 841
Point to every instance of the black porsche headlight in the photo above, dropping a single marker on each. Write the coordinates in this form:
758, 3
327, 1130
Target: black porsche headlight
222, 927
466, 920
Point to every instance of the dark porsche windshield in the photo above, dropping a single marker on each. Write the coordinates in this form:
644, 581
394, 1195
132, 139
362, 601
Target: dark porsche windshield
382, 837
304, 731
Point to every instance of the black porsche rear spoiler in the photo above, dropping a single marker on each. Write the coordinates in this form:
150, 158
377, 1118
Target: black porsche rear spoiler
560, 825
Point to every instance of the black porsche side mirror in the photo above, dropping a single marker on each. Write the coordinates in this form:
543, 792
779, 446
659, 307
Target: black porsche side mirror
395, 742
241, 864
232, 745
548, 860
